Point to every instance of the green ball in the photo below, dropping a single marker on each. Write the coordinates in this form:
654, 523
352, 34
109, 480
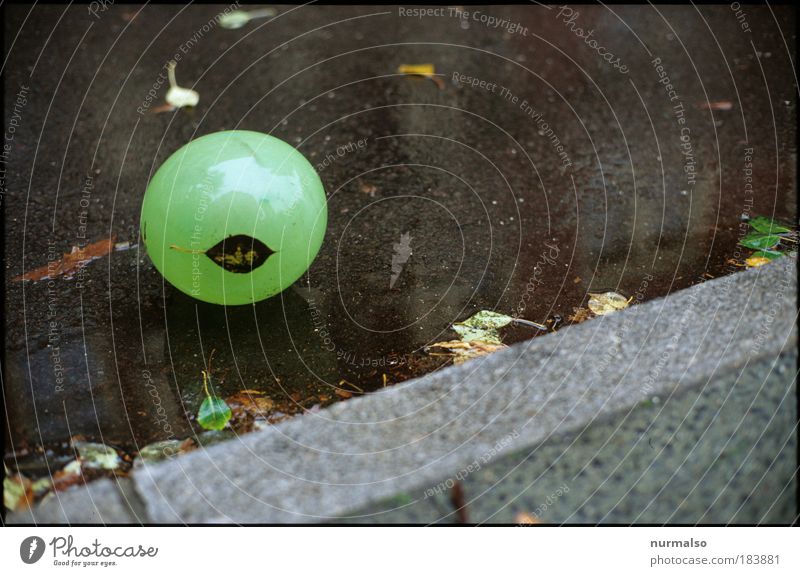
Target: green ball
234, 217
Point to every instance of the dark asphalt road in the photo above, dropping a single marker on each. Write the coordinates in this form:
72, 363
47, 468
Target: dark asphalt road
473, 174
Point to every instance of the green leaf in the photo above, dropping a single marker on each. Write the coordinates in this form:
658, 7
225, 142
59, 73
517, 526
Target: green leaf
97, 456
482, 327
767, 225
768, 254
214, 413
759, 241
486, 319
470, 334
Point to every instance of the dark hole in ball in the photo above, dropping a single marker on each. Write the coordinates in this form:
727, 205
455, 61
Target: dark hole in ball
239, 254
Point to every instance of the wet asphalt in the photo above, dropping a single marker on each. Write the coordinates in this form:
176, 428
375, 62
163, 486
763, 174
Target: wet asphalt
531, 173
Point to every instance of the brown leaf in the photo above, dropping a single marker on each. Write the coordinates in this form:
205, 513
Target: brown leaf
70, 475
462, 351
244, 404
71, 262
719, 105
580, 315
368, 189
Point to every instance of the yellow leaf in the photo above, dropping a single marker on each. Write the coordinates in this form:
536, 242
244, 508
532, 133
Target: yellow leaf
756, 261
607, 303
418, 69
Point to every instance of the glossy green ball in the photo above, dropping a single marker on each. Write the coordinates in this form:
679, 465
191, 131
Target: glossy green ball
234, 217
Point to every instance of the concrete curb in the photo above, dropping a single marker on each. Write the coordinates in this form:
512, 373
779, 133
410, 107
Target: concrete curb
410, 438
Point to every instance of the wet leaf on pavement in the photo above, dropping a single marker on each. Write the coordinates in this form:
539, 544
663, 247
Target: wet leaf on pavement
71, 262
94, 455
759, 240
767, 225
214, 413
424, 70
607, 302
17, 491
462, 351
163, 450
482, 327
238, 18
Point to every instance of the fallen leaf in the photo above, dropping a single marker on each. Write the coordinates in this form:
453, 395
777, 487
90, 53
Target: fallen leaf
580, 315
718, 105
70, 262
417, 69
17, 491
607, 302
462, 351
162, 450
70, 475
526, 519
162, 108
759, 240
368, 189
342, 393
244, 403
94, 455
767, 225
424, 70
177, 96
756, 261
482, 327
214, 413
238, 18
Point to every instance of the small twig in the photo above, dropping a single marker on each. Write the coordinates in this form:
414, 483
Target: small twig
353, 386
528, 323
